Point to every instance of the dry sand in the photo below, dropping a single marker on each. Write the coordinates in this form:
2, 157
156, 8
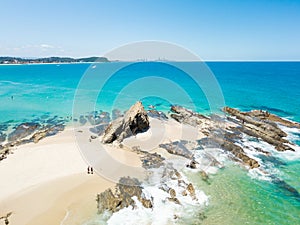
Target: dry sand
47, 182
41, 182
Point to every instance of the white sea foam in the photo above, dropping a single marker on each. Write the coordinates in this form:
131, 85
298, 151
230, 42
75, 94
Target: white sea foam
163, 211
207, 159
267, 168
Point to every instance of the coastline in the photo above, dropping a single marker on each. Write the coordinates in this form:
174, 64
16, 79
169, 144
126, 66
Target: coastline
47, 183
58, 63
42, 181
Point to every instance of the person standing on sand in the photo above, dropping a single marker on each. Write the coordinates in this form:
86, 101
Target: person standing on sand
88, 170
92, 170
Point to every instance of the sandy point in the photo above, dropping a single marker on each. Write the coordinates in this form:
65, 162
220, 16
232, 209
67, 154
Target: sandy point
42, 183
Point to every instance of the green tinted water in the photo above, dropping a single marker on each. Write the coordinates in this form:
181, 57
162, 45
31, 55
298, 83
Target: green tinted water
236, 198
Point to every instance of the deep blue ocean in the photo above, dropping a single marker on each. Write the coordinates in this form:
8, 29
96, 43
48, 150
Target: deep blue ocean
32, 91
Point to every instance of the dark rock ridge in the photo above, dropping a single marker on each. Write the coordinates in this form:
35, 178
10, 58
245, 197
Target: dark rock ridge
122, 197
134, 121
237, 151
215, 135
262, 125
266, 116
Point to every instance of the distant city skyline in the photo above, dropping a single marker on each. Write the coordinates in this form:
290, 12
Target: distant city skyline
213, 30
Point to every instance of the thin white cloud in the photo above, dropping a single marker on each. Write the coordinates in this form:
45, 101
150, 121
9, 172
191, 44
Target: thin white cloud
46, 46
35, 50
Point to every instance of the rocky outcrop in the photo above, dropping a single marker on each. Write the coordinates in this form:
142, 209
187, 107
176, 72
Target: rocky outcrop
236, 150
135, 120
30, 132
46, 131
266, 116
125, 190
217, 136
257, 124
186, 116
177, 148
22, 131
149, 160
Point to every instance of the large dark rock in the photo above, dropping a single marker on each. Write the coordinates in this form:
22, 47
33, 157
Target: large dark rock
122, 197
134, 121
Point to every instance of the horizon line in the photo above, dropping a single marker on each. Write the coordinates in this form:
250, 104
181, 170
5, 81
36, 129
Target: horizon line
138, 60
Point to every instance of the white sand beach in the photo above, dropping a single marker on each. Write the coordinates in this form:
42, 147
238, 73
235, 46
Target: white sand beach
47, 182
40, 182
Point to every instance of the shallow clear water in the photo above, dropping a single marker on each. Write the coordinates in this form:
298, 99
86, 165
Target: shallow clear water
236, 198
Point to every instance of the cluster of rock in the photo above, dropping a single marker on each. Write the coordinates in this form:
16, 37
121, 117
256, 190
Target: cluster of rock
149, 160
169, 173
258, 124
94, 118
128, 188
222, 132
225, 134
122, 196
27, 133
262, 125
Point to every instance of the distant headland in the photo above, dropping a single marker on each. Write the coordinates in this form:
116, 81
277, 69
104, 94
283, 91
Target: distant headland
19, 60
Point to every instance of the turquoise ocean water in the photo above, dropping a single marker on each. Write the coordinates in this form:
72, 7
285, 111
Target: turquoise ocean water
28, 92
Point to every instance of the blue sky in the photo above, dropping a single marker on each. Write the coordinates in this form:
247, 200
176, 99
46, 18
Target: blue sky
214, 30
